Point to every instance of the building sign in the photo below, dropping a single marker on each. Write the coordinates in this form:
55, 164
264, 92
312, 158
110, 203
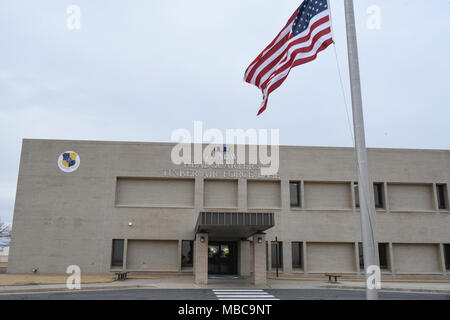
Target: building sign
236, 171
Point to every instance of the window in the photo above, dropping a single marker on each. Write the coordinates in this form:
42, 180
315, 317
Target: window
383, 255
441, 190
378, 194
447, 256
297, 261
294, 189
356, 190
277, 255
361, 255
117, 253
187, 253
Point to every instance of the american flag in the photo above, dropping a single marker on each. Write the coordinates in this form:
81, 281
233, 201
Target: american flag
307, 32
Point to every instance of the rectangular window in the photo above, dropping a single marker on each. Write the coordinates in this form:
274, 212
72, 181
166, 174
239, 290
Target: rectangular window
361, 255
383, 255
378, 194
117, 253
277, 255
447, 256
356, 189
294, 189
187, 253
441, 190
297, 259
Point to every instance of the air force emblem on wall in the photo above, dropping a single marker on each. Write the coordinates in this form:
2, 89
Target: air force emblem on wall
69, 161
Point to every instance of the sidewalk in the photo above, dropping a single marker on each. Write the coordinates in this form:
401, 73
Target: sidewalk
187, 282
404, 286
38, 279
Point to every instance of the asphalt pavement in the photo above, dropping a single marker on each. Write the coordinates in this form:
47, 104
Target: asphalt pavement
209, 294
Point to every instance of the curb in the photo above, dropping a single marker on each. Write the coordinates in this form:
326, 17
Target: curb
390, 289
360, 280
44, 290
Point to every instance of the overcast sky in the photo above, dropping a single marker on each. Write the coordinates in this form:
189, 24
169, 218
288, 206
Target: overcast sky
137, 70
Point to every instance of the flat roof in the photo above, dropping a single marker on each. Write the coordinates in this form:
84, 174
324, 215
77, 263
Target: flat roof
174, 143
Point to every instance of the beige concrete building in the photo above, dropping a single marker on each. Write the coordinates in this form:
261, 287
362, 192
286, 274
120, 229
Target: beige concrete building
108, 206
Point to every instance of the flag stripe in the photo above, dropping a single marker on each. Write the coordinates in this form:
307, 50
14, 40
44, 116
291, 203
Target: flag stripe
274, 86
265, 60
277, 79
295, 52
269, 61
300, 59
293, 48
286, 30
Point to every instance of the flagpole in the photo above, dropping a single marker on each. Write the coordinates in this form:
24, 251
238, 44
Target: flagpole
366, 206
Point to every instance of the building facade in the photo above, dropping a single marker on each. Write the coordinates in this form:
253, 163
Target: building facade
108, 206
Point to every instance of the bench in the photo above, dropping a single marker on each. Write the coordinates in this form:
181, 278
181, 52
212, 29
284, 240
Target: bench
121, 275
333, 275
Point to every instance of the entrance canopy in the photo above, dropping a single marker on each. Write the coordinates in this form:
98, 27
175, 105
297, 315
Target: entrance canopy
233, 224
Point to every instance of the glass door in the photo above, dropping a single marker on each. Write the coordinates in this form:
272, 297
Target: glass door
222, 258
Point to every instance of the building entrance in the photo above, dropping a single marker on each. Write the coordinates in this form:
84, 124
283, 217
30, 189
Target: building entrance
222, 257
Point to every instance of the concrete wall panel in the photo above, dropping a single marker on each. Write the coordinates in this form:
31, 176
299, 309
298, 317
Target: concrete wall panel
155, 192
264, 194
416, 258
321, 195
330, 257
414, 197
152, 255
220, 193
